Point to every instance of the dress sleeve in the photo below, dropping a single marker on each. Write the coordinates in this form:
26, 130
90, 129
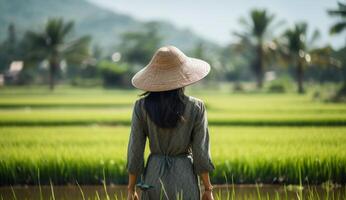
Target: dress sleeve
200, 143
136, 145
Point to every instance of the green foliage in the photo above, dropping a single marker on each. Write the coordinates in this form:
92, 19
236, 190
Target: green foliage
296, 38
238, 87
279, 85
54, 45
257, 37
340, 12
261, 20
137, 41
276, 88
139, 47
298, 50
114, 74
9, 49
112, 67
235, 62
86, 82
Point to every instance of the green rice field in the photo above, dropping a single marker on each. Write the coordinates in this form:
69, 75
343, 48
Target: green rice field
248, 154
74, 135
77, 107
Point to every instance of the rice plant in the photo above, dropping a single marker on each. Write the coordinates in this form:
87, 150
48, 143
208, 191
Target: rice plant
247, 154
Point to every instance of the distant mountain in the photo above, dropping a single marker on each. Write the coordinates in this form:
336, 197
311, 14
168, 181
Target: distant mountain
103, 25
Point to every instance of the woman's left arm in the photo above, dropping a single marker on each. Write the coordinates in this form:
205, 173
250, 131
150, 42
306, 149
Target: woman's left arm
136, 145
135, 150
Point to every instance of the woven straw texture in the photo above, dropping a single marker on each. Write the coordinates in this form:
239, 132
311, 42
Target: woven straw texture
170, 69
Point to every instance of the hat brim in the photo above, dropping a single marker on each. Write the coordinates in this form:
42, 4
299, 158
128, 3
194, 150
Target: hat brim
155, 79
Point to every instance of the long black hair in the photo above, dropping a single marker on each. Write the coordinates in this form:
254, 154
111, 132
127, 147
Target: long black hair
165, 108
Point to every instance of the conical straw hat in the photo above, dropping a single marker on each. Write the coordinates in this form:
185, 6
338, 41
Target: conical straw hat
170, 69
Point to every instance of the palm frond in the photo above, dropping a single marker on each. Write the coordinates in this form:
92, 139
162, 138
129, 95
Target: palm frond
245, 39
67, 28
77, 50
53, 41
53, 31
316, 35
245, 23
340, 11
36, 44
277, 24
338, 27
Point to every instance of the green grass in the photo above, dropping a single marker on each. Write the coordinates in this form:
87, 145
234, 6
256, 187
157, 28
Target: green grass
122, 116
248, 154
255, 137
65, 107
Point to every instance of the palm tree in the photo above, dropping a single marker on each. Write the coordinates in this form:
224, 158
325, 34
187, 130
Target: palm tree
53, 44
258, 37
9, 48
340, 12
298, 50
337, 28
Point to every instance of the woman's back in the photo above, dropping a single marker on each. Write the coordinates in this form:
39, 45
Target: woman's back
171, 164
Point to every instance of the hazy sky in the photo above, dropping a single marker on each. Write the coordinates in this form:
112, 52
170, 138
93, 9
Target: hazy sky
216, 20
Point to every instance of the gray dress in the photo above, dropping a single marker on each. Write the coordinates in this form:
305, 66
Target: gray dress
176, 155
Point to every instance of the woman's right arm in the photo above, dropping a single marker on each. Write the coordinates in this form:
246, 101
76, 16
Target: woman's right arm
208, 188
201, 150
131, 187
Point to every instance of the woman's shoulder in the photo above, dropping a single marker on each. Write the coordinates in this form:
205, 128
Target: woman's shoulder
139, 105
139, 101
196, 101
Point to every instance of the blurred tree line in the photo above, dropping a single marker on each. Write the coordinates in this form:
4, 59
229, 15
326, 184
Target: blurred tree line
266, 49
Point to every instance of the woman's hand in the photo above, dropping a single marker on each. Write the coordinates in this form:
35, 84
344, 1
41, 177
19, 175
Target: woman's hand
131, 188
208, 188
132, 195
207, 195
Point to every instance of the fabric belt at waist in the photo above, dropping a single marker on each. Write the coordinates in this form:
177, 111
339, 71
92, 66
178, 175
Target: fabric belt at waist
166, 161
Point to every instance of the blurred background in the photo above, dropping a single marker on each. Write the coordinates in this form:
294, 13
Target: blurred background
275, 95
103, 43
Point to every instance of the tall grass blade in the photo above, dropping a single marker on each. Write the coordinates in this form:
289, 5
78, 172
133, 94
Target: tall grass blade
39, 183
51, 189
233, 188
300, 189
97, 196
259, 197
227, 190
104, 184
80, 190
163, 189
13, 193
